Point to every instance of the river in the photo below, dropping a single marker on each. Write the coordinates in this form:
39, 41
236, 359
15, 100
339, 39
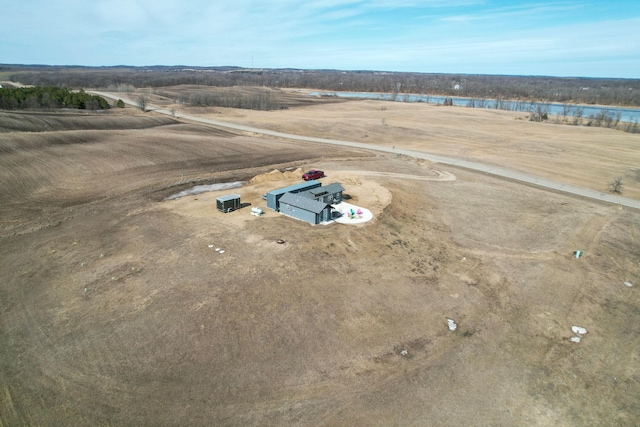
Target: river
631, 115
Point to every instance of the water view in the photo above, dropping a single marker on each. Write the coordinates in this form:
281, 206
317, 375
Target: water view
622, 114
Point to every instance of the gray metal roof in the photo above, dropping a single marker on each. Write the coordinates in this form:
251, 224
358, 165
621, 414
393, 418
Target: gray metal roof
327, 189
303, 202
228, 197
333, 188
296, 187
315, 192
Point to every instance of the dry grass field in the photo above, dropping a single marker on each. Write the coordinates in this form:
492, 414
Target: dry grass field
579, 155
115, 310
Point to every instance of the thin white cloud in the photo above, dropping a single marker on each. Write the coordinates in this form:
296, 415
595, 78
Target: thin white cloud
527, 11
412, 35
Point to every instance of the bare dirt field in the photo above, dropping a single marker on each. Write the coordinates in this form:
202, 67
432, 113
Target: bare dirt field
116, 309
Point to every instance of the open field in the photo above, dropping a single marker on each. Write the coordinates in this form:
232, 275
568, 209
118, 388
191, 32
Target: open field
578, 155
115, 310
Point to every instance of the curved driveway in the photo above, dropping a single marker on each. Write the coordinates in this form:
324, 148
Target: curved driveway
475, 166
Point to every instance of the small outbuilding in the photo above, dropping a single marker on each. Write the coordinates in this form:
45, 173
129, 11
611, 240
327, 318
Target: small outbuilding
228, 203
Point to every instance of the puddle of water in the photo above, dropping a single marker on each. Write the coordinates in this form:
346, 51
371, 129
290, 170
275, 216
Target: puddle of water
205, 188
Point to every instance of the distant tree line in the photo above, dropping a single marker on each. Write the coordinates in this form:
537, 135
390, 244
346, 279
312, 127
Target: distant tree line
590, 91
259, 100
49, 97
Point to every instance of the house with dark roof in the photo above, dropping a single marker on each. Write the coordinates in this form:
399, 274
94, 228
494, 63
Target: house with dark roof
311, 203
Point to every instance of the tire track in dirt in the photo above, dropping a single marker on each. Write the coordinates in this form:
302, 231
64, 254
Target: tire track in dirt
438, 175
511, 254
19, 178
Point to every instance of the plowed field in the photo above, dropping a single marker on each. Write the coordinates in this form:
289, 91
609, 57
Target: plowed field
117, 309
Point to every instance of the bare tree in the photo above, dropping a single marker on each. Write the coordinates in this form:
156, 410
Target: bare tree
120, 87
539, 113
577, 115
395, 91
615, 186
632, 127
616, 119
142, 103
565, 112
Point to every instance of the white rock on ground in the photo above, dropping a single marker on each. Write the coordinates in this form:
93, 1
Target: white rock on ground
578, 330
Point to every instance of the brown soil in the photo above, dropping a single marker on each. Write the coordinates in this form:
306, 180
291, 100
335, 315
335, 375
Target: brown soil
115, 310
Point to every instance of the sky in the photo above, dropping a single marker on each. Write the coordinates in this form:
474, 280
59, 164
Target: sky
509, 37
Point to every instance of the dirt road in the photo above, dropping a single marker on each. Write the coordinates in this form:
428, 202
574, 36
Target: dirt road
475, 166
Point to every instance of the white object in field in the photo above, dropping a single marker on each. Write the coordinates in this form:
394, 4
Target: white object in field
210, 246
221, 252
628, 284
452, 324
256, 211
404, 352
578, 330
217, 249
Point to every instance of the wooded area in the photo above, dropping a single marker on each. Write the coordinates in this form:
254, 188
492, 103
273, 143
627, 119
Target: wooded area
258, 100
590, 91
49, 97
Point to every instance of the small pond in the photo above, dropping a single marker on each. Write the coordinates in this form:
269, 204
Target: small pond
198, 189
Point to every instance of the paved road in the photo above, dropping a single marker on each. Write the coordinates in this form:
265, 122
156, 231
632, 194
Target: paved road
475, 166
